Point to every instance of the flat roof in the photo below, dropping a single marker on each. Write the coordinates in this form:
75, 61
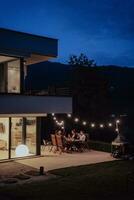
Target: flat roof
16, 43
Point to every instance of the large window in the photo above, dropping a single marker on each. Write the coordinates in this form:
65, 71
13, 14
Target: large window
13, 76
9, 75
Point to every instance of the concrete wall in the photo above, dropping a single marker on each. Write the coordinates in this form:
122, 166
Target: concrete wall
23, 104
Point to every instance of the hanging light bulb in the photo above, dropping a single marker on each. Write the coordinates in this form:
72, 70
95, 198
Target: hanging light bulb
84, 123
53, 114
101, 125
92, 125
110, 124
76, 119
69, 115
117, 121
54, 118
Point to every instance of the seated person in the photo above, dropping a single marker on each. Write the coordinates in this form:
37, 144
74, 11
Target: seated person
74, 135
82, 136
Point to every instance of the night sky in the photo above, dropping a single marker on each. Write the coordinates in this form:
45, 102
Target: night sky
102, 29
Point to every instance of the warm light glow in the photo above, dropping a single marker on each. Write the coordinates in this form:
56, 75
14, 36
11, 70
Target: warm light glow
117, 130
117, 121
84, 123
110, 124
92, 125
62, 127
54, 118
76, 119
69, 115
101, 126
53, 114
21, 150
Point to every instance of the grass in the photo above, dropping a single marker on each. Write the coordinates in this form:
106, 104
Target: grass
97, 181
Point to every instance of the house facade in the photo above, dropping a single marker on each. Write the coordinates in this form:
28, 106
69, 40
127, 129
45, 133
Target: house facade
21, 113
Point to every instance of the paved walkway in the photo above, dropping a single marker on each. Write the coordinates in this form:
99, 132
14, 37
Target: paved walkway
56, 161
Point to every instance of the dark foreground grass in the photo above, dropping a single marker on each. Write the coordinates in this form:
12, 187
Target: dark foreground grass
98, 181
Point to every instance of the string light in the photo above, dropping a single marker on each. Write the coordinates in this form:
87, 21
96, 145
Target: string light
117, 121
110, 124
69, 115
76, 119
101, 126
84, 123
92, 125
117, 130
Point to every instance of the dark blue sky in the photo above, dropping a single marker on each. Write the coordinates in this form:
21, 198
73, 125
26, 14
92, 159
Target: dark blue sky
102, 29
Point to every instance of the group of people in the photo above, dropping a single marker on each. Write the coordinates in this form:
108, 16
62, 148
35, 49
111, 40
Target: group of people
74, 140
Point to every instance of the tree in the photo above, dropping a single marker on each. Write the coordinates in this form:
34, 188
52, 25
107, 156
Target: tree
81, 60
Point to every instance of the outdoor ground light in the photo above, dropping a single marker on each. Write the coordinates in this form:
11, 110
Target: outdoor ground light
21, 150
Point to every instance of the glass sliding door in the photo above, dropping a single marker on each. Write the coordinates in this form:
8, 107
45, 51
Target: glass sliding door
16, 134
31, 134
4, 138
17, 131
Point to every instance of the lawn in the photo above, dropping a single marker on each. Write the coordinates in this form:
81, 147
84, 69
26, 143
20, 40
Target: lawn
97, 181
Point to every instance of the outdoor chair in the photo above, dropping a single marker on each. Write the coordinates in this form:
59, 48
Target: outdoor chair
59, 143
46, 144
54, 143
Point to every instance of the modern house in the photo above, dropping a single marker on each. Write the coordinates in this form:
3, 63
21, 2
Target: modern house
20, 113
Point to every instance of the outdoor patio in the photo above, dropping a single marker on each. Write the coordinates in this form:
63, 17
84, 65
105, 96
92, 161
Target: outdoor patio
52, 161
